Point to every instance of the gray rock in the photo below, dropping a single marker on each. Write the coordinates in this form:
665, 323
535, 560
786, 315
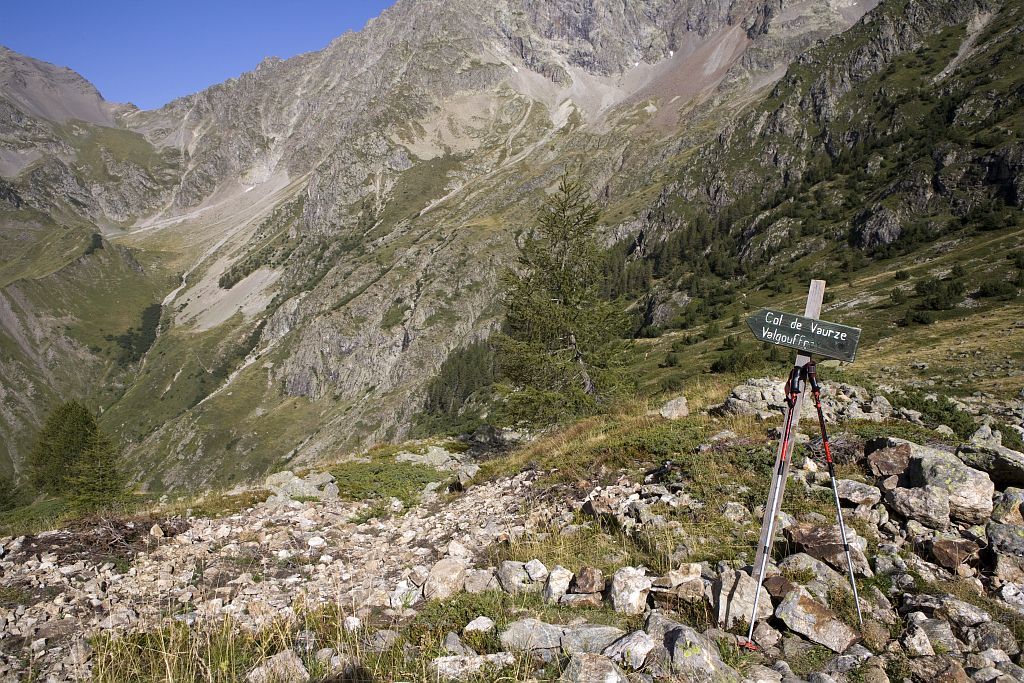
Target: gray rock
970, 490
761, 674
592, 638
1004, 465
631, 650
929, 505
697, 659
857, 492
915, 641
536, 570
462, 668
404, 595
381, 640
531, 634
581, 600
454, 645
675, 409
284, 667
803, 615
734, 599
515, 580
591, 668
1006, 508
826, 544
446, 578
480, 581
630, 586
557, 584
481, 624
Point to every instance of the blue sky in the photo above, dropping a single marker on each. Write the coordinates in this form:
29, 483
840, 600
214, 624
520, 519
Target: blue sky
148, 52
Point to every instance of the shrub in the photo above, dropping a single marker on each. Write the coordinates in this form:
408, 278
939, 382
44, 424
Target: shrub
897, 297
997, 289
902, 275
936, 412
918, 317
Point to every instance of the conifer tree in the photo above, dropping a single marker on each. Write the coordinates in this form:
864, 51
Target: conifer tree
561, 349
98, 480
67, 433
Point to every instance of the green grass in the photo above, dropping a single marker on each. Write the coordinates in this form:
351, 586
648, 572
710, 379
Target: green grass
30, 519
383, 478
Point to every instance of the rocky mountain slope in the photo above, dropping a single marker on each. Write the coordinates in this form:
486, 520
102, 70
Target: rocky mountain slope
338, 220
624, 569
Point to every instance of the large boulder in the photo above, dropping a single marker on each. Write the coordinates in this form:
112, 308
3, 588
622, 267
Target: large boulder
1004, 465
803, 615
928, 505
1007, 543
734, 599
628, 593
446, 578
826, 544
591, 668
970, 490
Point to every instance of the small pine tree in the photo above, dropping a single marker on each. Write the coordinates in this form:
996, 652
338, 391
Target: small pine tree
66, 434
97, 481
562, 343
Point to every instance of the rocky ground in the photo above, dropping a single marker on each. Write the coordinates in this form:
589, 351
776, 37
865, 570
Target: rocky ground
937, 540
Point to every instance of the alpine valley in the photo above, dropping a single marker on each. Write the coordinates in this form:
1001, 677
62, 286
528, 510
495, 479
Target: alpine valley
274, 269
267, 354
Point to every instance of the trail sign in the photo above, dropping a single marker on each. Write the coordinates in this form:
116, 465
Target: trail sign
809, 335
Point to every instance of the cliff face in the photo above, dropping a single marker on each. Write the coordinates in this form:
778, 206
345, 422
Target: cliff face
341, 217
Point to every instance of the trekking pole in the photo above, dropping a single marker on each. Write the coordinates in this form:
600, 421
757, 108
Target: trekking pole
812, 377
792, 391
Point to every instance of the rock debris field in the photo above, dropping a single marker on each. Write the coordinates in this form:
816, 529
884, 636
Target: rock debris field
937, 538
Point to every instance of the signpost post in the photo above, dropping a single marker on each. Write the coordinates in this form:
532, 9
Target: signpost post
808, 335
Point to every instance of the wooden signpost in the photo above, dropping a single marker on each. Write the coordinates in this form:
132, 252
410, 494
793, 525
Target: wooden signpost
809, 336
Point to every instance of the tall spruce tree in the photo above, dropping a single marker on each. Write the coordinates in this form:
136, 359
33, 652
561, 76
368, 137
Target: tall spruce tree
68, 431
98, 479
561, 349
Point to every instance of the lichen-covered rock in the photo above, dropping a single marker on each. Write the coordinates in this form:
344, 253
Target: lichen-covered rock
929, 505
514, 578
803, 615
970, 490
